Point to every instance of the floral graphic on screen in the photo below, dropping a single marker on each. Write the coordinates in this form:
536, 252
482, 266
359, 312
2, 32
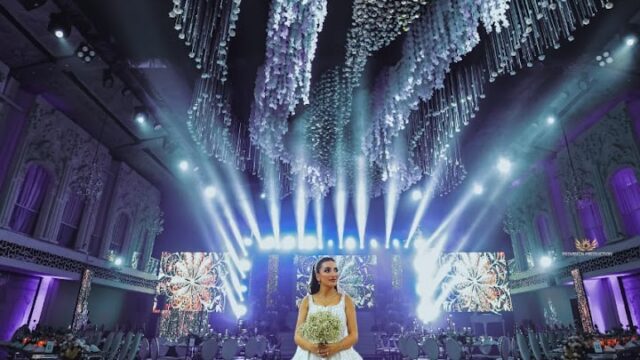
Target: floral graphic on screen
476, 282
193, 281
355, 277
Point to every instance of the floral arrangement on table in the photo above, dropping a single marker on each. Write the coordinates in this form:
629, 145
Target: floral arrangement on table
64, 343
575, 348
322, 327
72, 347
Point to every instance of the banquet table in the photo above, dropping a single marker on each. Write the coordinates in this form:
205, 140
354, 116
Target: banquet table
627, 353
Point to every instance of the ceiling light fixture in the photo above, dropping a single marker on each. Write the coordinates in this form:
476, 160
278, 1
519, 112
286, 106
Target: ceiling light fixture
59, 25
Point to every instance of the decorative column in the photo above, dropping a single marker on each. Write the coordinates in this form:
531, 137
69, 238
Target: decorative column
396, 272
511, 226
272, 281
81, 312
583, 302
87, 223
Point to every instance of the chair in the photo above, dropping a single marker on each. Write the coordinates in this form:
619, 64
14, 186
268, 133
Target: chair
154, 349
546, 347
431, 348
453, 349
523, 347
255, 347
411, 348
535, 345
108, 341
504, 345
209, 349
229, 349
124, 349
112, 351
133, 348
401, 342
143, 353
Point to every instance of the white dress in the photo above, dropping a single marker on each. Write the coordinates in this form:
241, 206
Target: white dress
340, 312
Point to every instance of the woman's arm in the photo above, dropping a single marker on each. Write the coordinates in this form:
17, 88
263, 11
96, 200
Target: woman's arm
352, 327
302, 316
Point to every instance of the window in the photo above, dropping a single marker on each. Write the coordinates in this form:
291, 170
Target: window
70, 223
544, 232
627, 194
28, 206
591, 220
120, 230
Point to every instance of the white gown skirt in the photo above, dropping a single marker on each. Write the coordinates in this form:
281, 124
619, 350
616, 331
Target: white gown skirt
349, 354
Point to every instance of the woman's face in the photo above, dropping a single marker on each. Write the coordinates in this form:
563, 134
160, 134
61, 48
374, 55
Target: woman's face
328, 274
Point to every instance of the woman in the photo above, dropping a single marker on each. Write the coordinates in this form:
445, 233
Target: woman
324, 296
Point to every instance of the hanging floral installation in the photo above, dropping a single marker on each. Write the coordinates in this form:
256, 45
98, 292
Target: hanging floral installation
207, 28
535, 27
374, 25
285, 78
442, 36
415, 111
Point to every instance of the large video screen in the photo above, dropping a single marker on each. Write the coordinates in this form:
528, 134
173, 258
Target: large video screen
193, 281
476, 282
355, 277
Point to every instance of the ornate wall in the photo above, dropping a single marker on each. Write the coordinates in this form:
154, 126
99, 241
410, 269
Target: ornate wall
555, 187
70, 156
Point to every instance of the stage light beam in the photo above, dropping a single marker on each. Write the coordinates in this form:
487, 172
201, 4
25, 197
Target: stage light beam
361, 199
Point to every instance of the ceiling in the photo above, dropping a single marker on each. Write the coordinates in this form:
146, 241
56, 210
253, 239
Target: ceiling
136, 41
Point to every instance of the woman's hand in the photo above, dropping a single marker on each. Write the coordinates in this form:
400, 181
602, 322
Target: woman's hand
329, 350
318, 349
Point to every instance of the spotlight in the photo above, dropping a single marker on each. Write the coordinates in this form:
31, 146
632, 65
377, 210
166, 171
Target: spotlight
504, 165
268, 243
630, 40
32, 4
248, 241
396, 243
244, 265
118, 261
309, 242
107, 79
59, 25
243, 288
140, 114
416, 195
241, 311
184, 165
210, 192
330, 243
478, 189
551, 120
288, 242
263, 196
373, 243
86, 53
545, 261
419, 242
126, 91
350, 243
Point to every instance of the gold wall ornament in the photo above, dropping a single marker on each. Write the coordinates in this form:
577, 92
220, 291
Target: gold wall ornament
586, 245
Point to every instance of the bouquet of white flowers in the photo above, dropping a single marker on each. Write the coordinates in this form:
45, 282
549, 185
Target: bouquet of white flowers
321, 327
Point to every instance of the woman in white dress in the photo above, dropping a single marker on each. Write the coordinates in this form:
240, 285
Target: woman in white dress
324, 296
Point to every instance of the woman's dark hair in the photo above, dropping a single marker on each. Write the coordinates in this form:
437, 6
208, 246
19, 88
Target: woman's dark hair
314, 284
